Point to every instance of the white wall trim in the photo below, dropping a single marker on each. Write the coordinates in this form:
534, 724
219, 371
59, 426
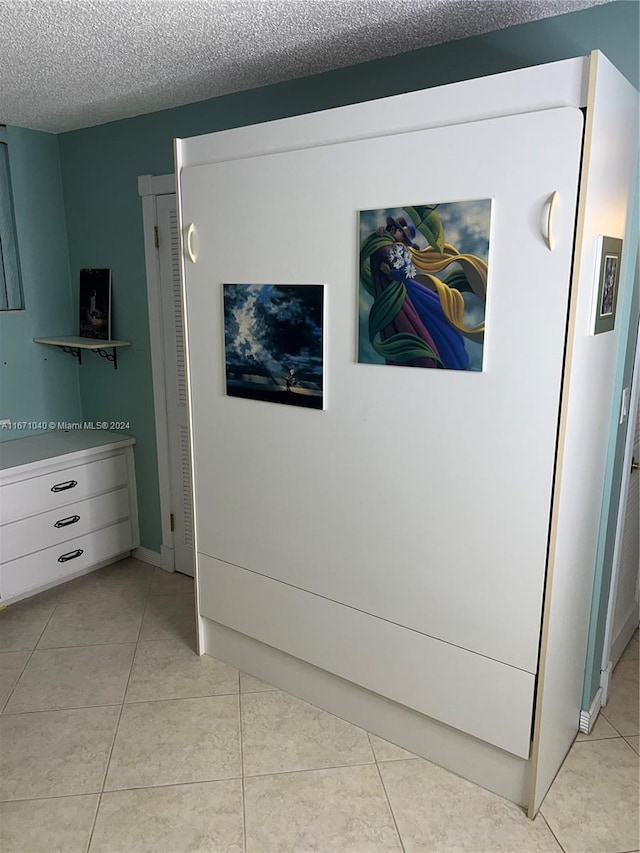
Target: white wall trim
605, 683
626, 631
588, 718
150, 186
156, 185
148, 556
168, 558
609, 650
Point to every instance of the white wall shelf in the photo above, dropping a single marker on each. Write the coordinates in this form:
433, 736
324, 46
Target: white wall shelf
75, 345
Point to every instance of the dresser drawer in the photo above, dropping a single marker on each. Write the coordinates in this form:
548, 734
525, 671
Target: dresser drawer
45, 567
66, 486
20, 538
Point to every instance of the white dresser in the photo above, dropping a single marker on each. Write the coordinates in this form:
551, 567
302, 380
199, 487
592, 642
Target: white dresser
67, 506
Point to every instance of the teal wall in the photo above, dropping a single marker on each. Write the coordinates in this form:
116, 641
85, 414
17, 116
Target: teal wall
38, 383
629, 309
100, 167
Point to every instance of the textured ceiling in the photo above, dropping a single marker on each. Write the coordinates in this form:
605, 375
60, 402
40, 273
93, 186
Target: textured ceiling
66, 64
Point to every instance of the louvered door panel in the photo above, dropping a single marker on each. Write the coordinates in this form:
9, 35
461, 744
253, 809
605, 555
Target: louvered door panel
175, 374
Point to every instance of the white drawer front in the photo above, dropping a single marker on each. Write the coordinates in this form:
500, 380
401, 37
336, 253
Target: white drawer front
43, 567
49, 491
20, 538
472, 693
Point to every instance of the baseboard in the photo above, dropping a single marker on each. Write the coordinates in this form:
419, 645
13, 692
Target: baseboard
168, 558
588, 718
621, 640
488, 766
148, 556
605, 681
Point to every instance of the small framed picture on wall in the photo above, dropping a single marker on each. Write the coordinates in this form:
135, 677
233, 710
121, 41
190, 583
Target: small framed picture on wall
609, 254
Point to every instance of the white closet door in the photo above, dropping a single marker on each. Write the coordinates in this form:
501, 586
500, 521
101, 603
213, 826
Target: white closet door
625, 610
419, 496
176, 385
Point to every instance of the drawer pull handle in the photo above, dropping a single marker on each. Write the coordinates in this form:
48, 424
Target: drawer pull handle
65, 522
71, 555
62, 487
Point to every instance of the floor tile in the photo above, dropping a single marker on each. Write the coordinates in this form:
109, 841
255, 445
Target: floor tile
11, 666
249, 684
176, 741
170, 583
22, 624
203, 818
592, 806
621, 709
170, 669
343, 810
55, 753
123, 577
386, 751
60, 825
602, 729
75, 677
632, 652
101, 620
281, 733
438, 811
169, 617
633, 743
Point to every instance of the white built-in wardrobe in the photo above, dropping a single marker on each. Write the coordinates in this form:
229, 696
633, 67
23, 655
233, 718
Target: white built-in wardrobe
418, 557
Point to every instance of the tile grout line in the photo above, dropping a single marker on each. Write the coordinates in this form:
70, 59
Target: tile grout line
393, 816
244, 810
115, 704
35, 648
93, 822
615, 728
122, 790
590, 739
548, 825
117, 726
56, 710
309, 770
629, 745
207, 781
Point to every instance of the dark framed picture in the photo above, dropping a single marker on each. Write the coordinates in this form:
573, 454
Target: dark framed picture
273, 341
607, 279
95, 304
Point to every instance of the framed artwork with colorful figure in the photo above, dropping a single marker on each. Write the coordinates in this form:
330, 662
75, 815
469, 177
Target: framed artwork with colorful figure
423, 285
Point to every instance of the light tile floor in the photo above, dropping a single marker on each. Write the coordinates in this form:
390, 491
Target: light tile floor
117, 737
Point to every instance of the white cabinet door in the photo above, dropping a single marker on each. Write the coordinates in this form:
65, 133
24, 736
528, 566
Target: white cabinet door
419, 496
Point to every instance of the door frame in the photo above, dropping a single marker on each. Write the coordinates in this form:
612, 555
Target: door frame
633, 401
150, 186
